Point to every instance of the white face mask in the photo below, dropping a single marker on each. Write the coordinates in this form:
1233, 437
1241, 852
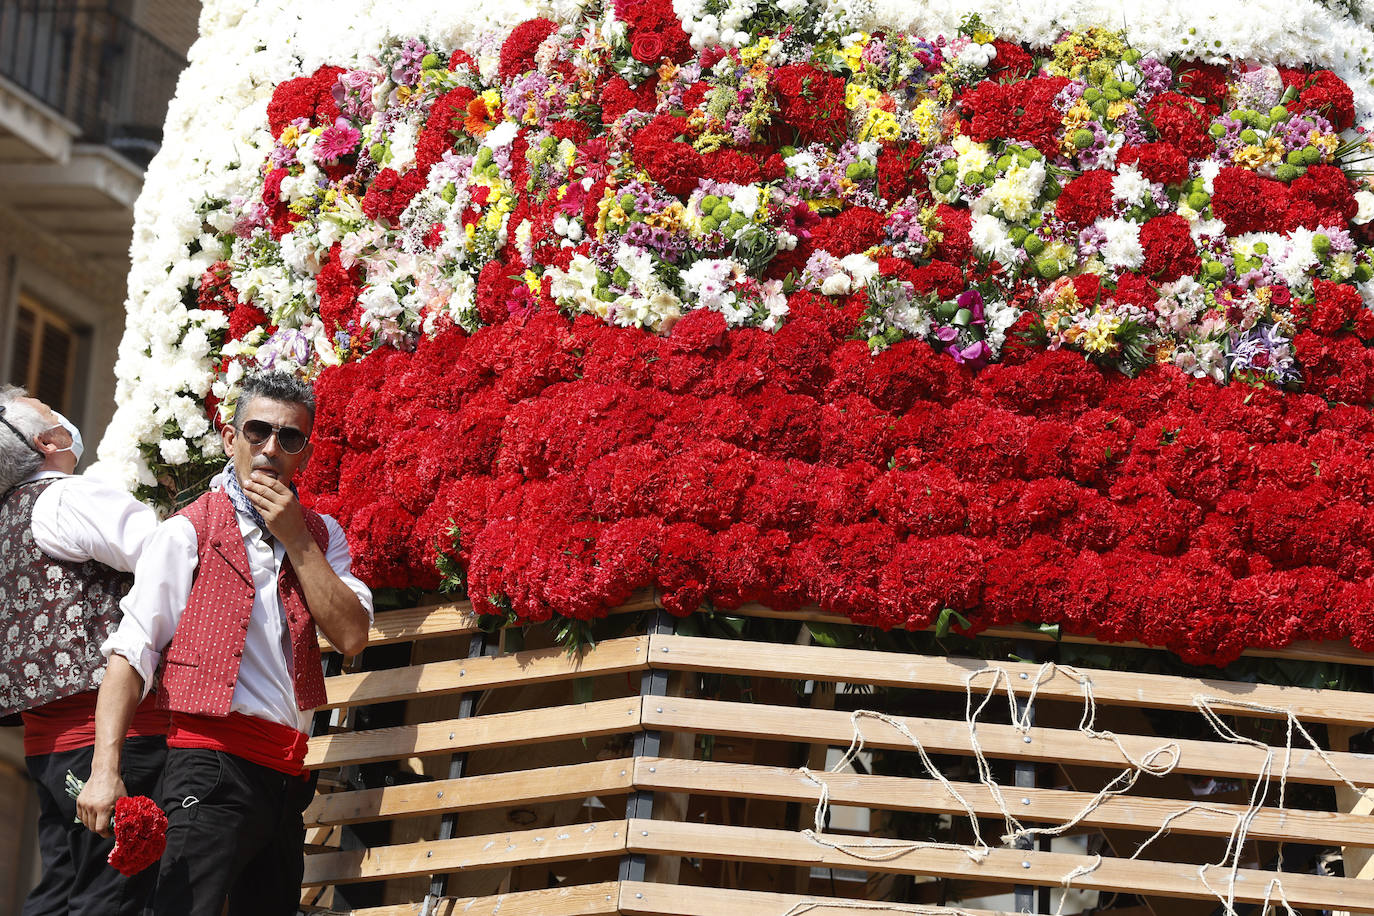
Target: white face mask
77, 448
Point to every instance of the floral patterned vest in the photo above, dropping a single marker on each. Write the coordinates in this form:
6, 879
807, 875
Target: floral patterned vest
53, 614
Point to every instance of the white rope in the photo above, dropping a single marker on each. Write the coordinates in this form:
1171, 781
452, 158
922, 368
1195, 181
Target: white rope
1158, 761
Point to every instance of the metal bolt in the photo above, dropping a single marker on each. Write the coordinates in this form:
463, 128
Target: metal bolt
1024, 676
450, 736
644, 833
660, 709
1025, 865
1025, 801
665, 648
440, 795
640, 896
653, 769
429, 854
1027, 739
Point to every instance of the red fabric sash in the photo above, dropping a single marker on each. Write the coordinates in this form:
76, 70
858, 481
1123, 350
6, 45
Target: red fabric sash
69, 724
269, 744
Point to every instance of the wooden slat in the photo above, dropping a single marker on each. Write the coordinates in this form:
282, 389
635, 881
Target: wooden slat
426, 622
897, 669
1303, 650
503, 850
577, 780
604, 717
1168, 879
952, 736
897, 793
454, 619
447, 677
582, 900
640, 898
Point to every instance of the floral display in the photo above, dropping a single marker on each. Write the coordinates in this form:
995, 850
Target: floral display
140, 830
749, 301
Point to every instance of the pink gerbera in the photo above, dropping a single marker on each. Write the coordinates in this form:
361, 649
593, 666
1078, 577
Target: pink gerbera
337, 141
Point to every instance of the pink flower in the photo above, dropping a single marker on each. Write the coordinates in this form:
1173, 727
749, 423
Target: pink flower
337, 141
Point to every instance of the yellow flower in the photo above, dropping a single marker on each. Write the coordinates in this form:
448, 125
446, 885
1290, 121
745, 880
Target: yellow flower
403, 94
983, 37
1101, 337
1250, 157
879, 125
532, 281
1118, 108
289, 135
926, 118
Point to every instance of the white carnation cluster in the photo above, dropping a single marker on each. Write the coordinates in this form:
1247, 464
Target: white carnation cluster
216, 136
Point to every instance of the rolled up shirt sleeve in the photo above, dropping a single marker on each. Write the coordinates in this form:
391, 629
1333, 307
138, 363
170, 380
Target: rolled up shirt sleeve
152, 608
341, 561
80, 518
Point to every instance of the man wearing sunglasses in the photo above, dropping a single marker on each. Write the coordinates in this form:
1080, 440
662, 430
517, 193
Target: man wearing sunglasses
68, 545
224, 611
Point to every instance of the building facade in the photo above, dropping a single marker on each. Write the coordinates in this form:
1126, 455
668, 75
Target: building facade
84, 87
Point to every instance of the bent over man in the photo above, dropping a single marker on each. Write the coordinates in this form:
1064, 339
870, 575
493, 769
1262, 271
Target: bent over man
67, 547
224, 609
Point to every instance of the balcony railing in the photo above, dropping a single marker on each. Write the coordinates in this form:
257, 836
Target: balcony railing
93, 66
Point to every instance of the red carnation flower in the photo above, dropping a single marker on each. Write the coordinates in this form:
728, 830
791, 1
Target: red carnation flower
1335, 306
1183, 122
517, 53
1329, 96
309, 97
1161, 162
390, 193
338, 292
811, 102
1086, 198
1245, 202
1208, 82
1322, 196
1012, 62
140, 829
1169, 249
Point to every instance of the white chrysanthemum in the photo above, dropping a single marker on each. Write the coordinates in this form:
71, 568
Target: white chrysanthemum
1122, 249
1130, 187
991, 239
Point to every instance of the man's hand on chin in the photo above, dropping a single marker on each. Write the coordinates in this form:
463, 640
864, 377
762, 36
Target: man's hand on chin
278, 506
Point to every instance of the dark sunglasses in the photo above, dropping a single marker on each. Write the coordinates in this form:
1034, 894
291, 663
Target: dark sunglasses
257, 432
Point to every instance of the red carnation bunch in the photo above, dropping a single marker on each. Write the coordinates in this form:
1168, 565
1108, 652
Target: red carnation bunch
1169, 249
669, 161
1161, 162
1247, 202
852, 231
1182, 121
617, 98
140, 829
1022, 110
1086, 198
338, 291
1327, 94
309, 97
1334, 306
1205, 81
1012, 62
1322, 196
390, 193
811, 102
517, 53
442, 127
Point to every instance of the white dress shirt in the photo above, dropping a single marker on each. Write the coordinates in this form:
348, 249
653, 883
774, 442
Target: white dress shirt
162, 586
83, 518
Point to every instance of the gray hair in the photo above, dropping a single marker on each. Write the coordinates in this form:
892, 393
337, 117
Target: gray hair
275, 386
19, 458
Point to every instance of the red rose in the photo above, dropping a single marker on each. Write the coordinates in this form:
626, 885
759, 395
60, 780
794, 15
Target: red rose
647, 47
140, 834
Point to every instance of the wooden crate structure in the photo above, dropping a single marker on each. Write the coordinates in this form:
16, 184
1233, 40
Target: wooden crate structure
661, 773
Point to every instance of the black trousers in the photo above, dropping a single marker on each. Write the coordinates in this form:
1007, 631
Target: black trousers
76, 878
234, 832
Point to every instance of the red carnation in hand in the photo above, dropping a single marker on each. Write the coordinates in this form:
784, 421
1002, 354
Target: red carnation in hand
517, 54
309, 97
140, 829
1245, 202
1086, 199
811, 102
1161, 162
1182, 121
1169, 249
